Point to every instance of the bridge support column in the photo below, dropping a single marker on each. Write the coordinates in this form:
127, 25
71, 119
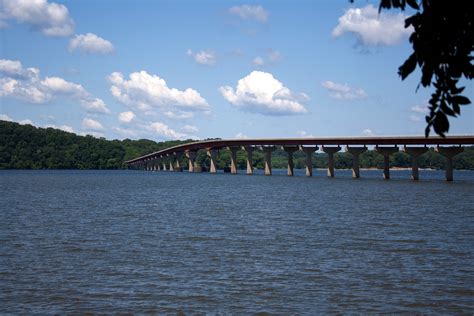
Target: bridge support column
191, 155
233, 159
158, 163
163, 163
449, 153
309, 150
177, 163
212, 153
148, 165
291, 166
331, 151
386, 152
415, 153
267, 150
249, 150
355, 152
171, 167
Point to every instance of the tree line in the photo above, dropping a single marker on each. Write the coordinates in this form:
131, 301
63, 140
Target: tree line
29, 147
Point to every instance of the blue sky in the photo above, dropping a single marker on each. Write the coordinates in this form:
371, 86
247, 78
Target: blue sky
198, 69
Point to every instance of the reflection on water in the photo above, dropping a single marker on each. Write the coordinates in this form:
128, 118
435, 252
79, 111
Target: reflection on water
132, 241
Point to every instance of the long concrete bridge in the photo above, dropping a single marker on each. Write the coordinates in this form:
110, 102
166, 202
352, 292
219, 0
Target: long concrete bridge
170, 158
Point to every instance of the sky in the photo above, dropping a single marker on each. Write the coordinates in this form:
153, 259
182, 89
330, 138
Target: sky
166, 70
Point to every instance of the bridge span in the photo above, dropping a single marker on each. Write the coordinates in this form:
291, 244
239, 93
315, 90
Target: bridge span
415, 146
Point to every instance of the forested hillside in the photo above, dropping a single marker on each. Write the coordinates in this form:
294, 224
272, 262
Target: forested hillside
29, 147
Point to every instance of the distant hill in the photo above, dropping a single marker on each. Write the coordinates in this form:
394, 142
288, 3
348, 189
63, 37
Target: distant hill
29, 147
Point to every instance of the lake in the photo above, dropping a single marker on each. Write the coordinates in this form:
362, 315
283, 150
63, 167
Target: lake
162, 242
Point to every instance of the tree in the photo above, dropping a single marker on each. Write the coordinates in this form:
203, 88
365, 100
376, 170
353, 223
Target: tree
443, 42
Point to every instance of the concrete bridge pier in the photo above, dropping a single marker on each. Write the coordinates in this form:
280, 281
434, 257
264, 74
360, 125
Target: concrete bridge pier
158, 164
291, 166
309, 150
449, 153
331, 151
233, 159
163, 162
415, 153
386, 152
191, 155
356, 152
212, 153
267, 150
249, 150
177, 163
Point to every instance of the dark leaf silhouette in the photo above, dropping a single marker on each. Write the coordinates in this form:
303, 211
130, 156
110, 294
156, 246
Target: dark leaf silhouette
408, 67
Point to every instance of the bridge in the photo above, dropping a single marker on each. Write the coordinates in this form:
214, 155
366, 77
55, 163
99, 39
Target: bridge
415, 146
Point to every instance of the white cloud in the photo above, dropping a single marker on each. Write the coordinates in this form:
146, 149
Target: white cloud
27, 85
274, 56
26, 121
179, 115
343, 91
52, 19
4, 117
144, 91
260, 92
304, 134
126, 117
423, 109
65, 128
90, 43
204, 57
92, 125
190, 129
250, 12
258, 61
164, 131
241, 135
368, 132
371, 28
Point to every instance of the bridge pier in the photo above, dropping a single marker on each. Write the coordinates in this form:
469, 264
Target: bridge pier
233, 159
212, 153
249, 150
331, 151
309, 150
386, 152
356, 152
291, 166
177, 163
267, 150
415, 153
157, 165
191, 155
163, 163
449, 153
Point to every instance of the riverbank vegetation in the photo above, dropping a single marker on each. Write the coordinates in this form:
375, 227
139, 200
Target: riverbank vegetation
29, 147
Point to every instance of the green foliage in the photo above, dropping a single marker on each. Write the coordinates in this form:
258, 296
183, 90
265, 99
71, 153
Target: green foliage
28, 147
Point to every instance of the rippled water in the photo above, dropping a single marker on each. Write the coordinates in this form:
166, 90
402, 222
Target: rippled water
142, 242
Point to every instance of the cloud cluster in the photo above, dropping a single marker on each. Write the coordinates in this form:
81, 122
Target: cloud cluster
250, 12
92, 125
273, 57
52, 19
27, 85
204, 57
90, 43
126, 117
370, 28
145, 91
164, 130
343, 91
260, 92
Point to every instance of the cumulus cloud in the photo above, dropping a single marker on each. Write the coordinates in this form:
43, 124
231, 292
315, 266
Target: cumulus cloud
179, 115
370, 28
90, 43
368, 132
258, 61
241, 135
163, 130
204, 57
92, 125
260, 92
4, 117
126, 117
145, 91
343, 91
52, 19
190, 129
27, 85
250, 12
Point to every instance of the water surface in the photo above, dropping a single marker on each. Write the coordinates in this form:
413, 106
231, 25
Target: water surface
143, 242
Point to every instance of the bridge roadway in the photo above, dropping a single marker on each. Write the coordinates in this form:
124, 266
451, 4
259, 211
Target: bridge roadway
415, 146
